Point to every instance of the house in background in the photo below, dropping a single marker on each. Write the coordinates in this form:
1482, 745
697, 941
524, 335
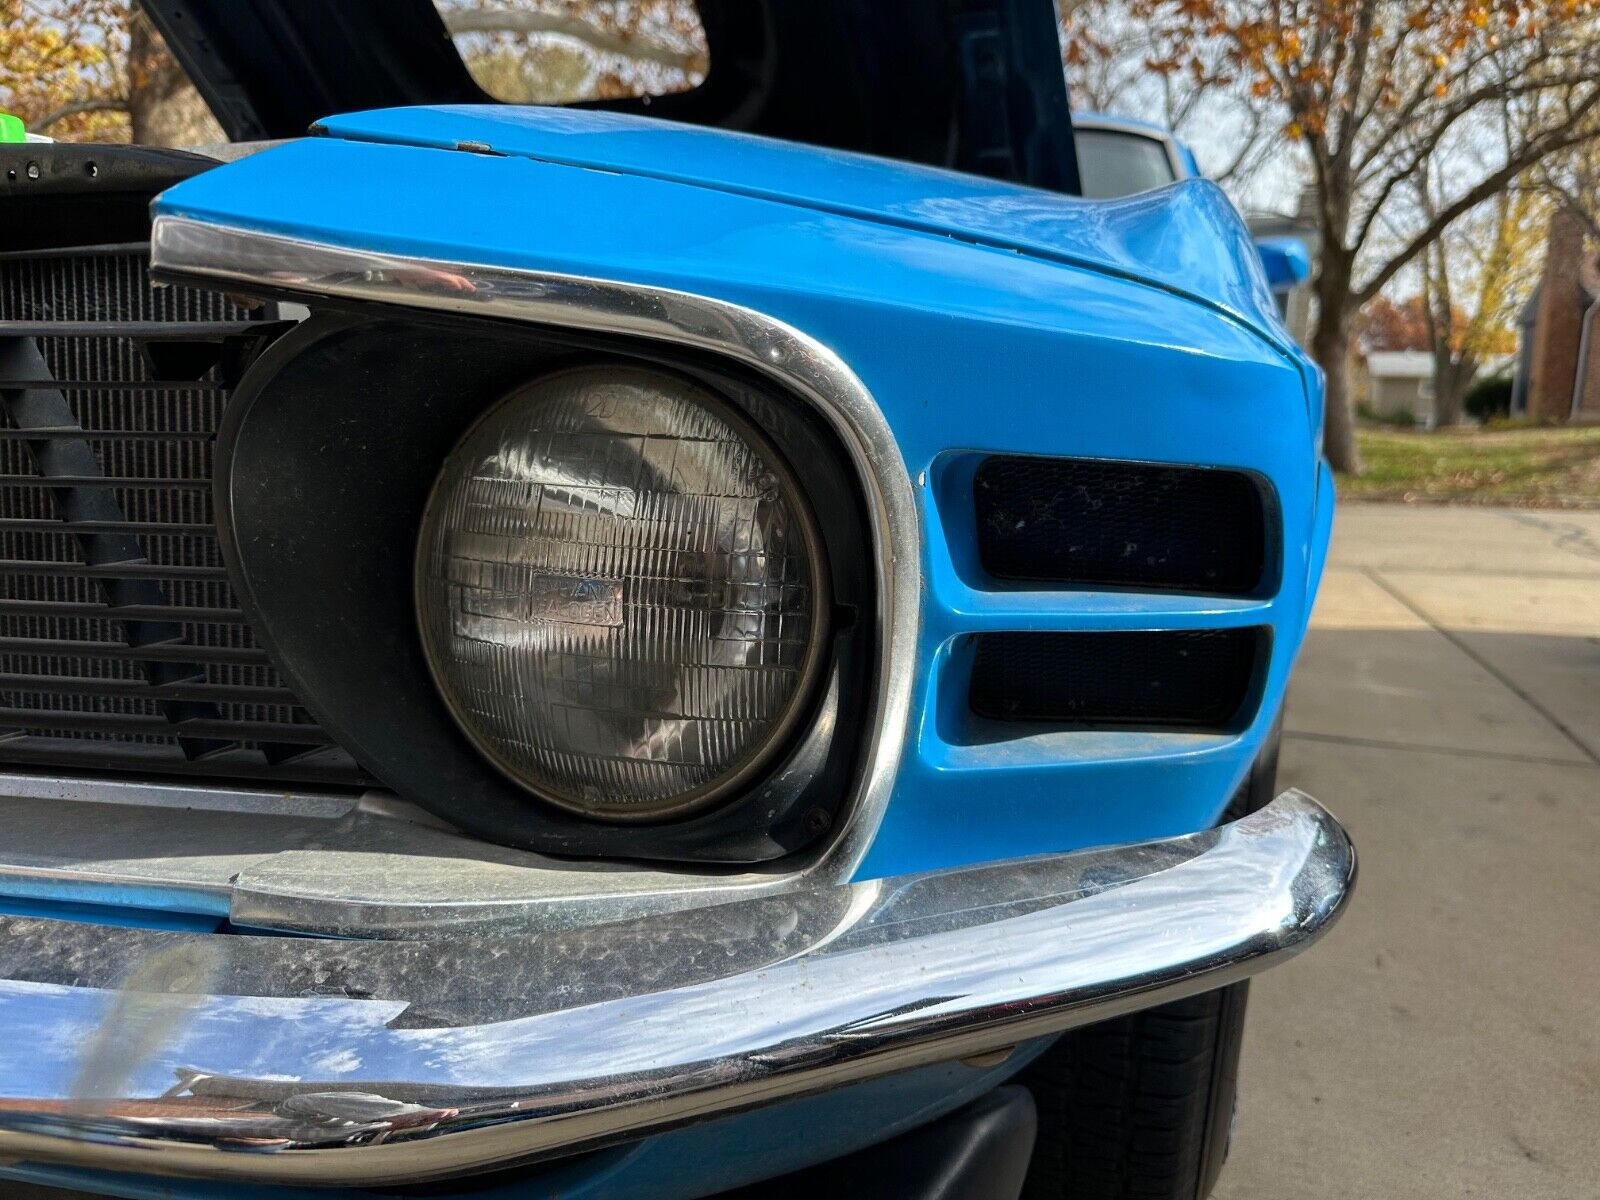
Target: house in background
1558, 358
1393, 383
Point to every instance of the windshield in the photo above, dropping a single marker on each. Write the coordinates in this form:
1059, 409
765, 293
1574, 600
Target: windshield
1113, 163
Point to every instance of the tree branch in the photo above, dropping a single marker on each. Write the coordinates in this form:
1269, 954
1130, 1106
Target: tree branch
1571, 133
522, 21
1422, 149
1350, 102
1397, 45
77, 107
1384, 148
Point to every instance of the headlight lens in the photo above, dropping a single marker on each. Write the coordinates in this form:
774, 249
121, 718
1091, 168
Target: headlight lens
620, 590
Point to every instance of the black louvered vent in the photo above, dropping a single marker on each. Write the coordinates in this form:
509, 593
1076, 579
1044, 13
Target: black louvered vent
1200, 679
121, 641
1120, 524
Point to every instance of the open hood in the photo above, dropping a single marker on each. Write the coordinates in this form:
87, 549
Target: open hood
971, 84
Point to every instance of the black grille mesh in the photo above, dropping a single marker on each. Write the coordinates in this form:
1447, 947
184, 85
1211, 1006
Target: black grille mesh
1190, 679
121, 641
1120, 524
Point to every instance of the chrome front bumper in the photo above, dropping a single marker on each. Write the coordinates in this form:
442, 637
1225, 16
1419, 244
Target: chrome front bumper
313, 1061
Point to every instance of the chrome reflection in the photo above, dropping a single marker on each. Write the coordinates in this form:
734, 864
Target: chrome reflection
371, 1063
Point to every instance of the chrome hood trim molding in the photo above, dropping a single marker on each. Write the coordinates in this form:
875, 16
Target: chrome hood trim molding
321, 1062
244, 258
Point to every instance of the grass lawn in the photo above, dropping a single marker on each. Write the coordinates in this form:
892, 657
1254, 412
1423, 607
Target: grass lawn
1552, 467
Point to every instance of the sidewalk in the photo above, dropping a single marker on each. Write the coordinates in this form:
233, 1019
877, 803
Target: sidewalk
1445, 1040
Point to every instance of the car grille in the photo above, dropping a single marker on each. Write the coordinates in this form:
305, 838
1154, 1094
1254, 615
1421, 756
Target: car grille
122, 646
1198, 679
1088, 522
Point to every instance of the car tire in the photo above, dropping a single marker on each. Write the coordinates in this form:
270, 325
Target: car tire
1141, 1108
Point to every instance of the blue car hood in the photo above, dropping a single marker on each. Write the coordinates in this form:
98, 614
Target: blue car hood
1185, 238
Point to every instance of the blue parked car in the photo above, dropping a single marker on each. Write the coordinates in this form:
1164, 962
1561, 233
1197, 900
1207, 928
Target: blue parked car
726, 644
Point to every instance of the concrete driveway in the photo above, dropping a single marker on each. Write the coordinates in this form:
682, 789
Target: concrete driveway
1445, 1040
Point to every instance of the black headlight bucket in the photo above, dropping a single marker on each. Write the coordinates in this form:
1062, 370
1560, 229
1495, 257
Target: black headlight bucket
325, 463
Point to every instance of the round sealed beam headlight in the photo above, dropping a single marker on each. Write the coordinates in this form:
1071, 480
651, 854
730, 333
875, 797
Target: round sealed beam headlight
621, 592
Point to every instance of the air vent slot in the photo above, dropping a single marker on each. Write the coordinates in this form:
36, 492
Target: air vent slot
1092, 522
1205, 679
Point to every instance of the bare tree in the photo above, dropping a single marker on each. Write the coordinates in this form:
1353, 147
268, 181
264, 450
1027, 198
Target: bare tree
163, 107
1375, 90
1474, 280
1108, 54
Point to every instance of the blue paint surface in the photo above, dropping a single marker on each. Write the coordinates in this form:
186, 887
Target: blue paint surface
983, 318
1187, 237
968, 348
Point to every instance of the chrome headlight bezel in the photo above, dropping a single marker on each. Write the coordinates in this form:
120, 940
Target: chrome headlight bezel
325, 461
